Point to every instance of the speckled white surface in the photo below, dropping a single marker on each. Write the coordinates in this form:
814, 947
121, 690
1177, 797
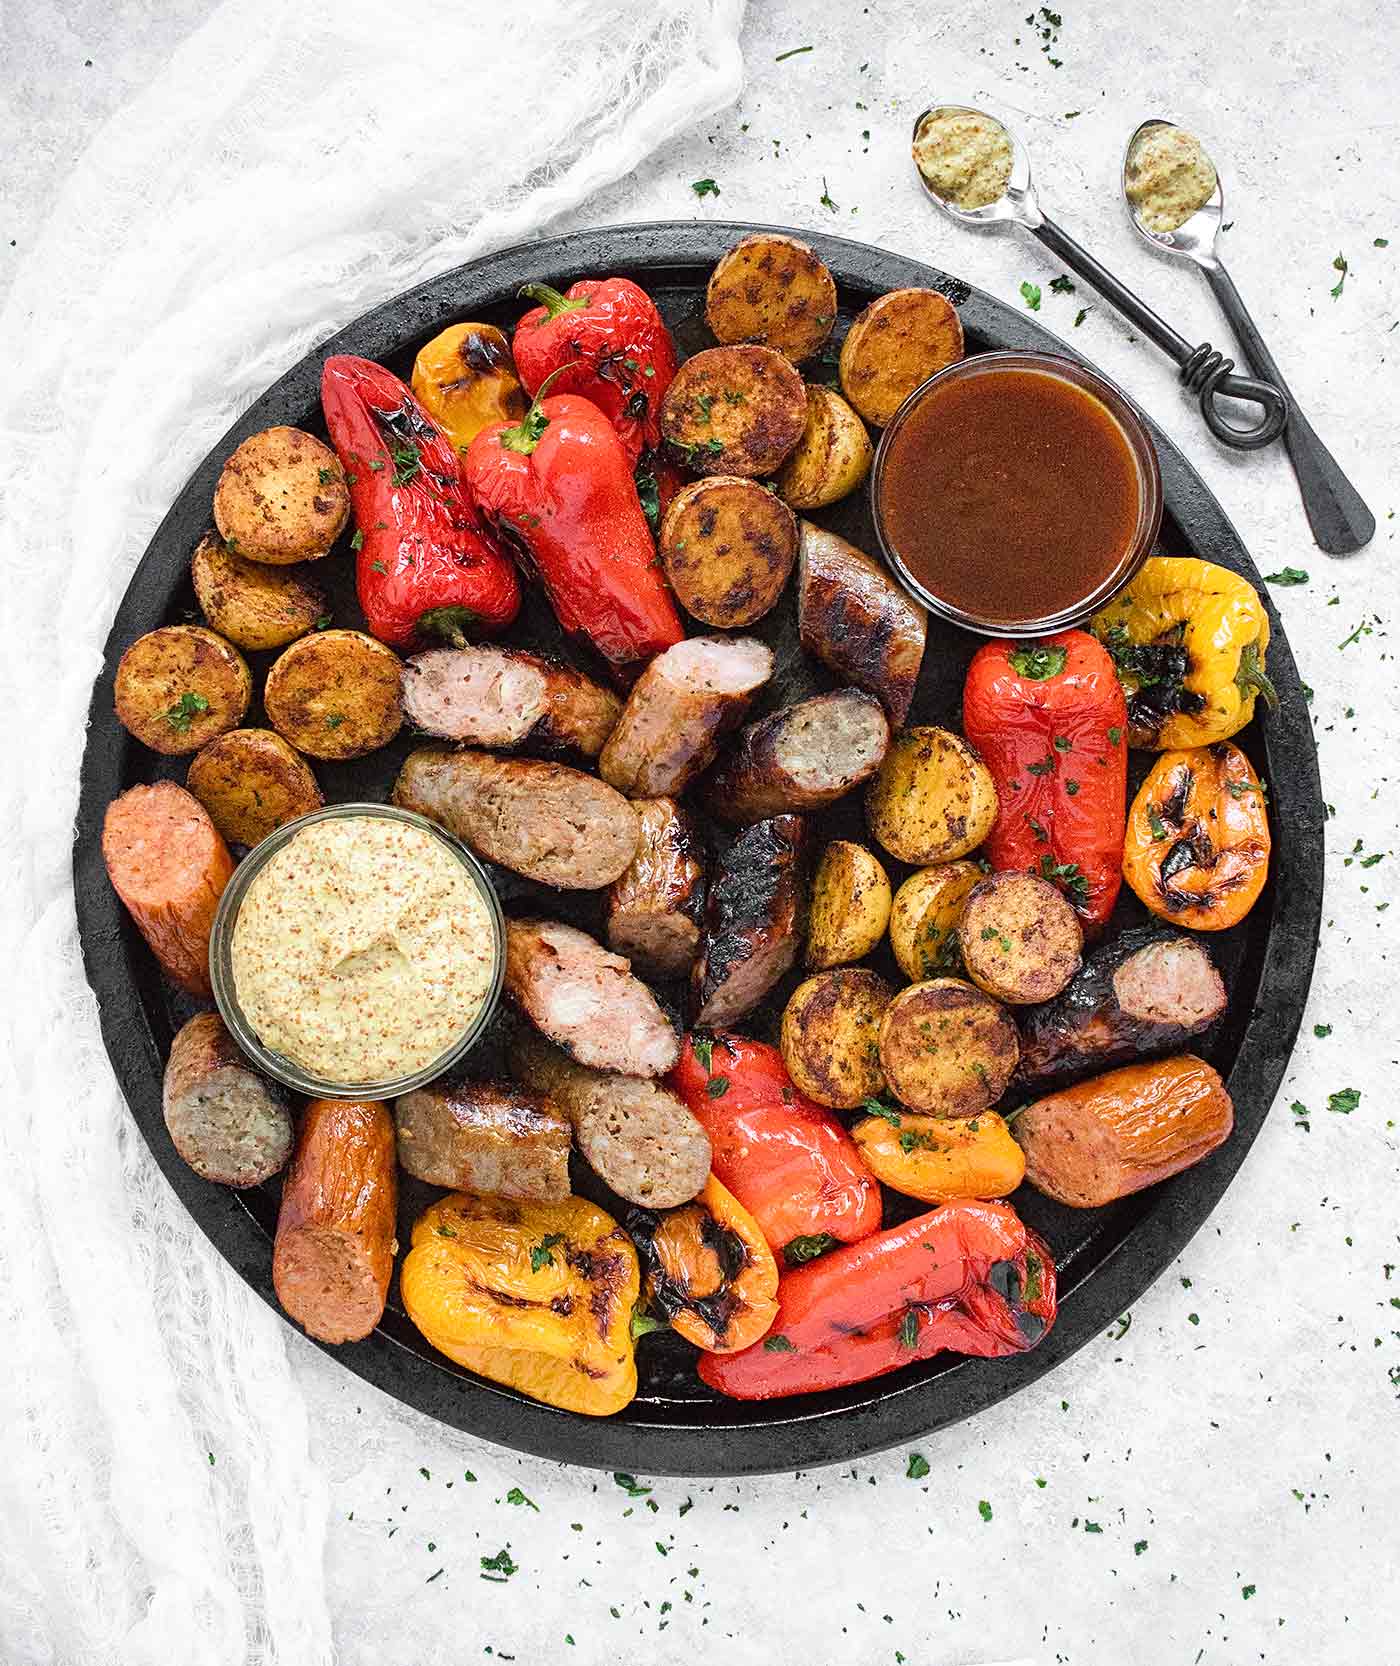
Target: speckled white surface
1217, 1483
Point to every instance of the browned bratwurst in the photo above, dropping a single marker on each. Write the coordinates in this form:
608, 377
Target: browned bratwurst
1099, 1140
169, 866
334, 1250
586, 999
680, 707
755, 916
855, 619
545, 821
503, 697
801, 758
654, 911
636, 1135
488, 1137
227, 1122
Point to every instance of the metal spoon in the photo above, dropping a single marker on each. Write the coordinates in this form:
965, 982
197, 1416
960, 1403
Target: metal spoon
1341, 523
1204, 372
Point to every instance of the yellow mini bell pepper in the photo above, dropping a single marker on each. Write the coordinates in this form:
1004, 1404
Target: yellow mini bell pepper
938, 1158
538, 1296
465, 379
1188, 639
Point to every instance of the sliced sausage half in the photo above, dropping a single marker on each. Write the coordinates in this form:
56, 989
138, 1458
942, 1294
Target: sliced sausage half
487, 1137
755, 917
801, 758
504, 697
654, 911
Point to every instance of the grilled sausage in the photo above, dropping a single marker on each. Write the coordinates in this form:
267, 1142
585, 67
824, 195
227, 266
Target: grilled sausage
854, 618
503, 697
801, 758
636, 1135
1146, 992
1100, 1140
227, 1122
586, 999
754, 919
488, 1137
680, 706
545, 821
654, 911
169, 866
334, 1250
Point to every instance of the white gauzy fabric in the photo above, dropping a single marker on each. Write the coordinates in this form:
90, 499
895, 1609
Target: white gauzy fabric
291, 166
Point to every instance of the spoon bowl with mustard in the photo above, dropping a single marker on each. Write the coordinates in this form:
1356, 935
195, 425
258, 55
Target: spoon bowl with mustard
1177, 205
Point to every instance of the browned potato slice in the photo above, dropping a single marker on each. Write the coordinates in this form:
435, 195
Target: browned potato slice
947, 1048
934, 798
896, 343
833, 456
774, 290
179, 686
1021, 941
252, 604
281, 498
924, 919
831, 1036
728, 546
250, 781
335, 694
734, 410
465, 379
850, 905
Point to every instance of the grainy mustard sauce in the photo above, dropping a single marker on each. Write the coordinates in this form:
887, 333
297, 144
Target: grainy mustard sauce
1169, 176
964, 155
362, 950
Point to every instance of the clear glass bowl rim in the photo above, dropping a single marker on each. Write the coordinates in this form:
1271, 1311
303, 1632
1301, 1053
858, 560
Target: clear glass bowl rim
1139, 441
277, 1065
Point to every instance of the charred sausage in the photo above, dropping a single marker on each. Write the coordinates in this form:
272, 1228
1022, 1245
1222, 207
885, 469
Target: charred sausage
755, 916
854, 618
545, 821
488, 1137
801, 758
505, 697
586, 999
679, 708
169, 866
334, 1250
227, 1122
1147, 992
654, 911
636, 1135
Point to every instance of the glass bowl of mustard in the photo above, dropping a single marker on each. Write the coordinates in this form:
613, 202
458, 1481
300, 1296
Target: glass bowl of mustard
1015, 493
357, 952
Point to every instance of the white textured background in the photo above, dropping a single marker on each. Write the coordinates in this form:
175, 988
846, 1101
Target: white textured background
1220, 1483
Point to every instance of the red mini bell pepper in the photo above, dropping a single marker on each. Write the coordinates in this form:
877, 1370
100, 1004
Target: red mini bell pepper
969, 1278
558, 485
788, 1160
617, 351
1050, 721
425, 567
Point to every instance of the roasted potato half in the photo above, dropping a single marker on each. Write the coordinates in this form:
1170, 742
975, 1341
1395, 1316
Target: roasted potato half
850, 905
281, 498
728, 546
179, 686
250, 781
947, 1048
933, 799
734, 410
833, 456
924, 919
335, 694
252, 604
896, 343
1021, 940
831, 1036
465, 379
774, 290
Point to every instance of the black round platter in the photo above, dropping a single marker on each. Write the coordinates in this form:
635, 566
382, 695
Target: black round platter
1106, 1257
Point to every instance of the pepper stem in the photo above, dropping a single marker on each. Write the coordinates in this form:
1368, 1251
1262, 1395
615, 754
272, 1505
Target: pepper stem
525, 436
451, 623
1251, 678
550, 299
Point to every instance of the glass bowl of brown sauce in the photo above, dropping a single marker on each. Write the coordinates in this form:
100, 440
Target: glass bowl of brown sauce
1015, 493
